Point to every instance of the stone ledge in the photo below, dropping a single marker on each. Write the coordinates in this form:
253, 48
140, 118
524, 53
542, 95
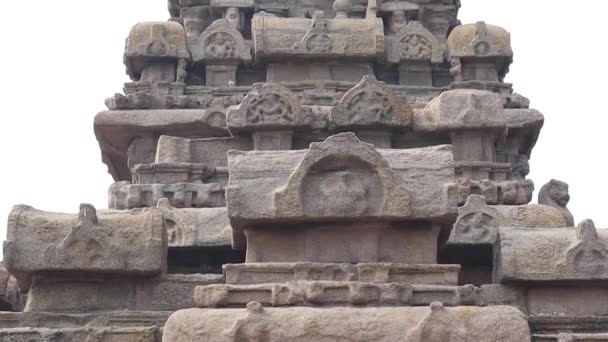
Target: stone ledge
416, 324
95, 293
332, 293
151, 334
257, 273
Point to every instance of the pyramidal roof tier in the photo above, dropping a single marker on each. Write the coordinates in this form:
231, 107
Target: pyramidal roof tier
312, 170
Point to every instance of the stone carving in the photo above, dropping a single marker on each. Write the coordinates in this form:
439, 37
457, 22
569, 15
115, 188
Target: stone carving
317, 39
366, 175
150, 45
264, 273
551, 254
315, 187
415, 43
328, 293
477, 223
438, 325
268, 105
124, 195
473, 48
353, 39
109, 241
167, 173
590, 255
371, 103
462, 110
207, 227
555, 194
220, 43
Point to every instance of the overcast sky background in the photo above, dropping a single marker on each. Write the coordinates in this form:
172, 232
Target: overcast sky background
62, 58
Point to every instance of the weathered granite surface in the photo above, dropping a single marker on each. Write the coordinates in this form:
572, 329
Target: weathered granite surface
434, 323
117, 242
555, 255
358, 166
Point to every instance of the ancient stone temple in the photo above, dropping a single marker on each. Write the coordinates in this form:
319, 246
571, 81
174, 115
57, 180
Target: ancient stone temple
312, 171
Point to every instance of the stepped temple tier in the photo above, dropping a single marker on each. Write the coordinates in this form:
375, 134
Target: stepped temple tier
312, 171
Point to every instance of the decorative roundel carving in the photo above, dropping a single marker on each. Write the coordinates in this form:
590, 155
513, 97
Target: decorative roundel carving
545, 251
319, 43
482, 48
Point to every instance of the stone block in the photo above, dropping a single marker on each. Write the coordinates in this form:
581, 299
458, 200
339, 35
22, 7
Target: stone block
304, 185
167, 173
97, 320
414, 43
567, 301
220, 44
388, 324
276, 38
210, 152
131, 242
260, 273
479, 52
200, 227
551, 254
124, 195
117, 130
95, 293
478, 223
571, 337
268, 106
328, 293
370, 104
171, 292
404, 242
152, 50
79, 335
462, 109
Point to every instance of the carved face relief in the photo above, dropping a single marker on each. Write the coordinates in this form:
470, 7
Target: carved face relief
342, 188
416, 47
269, 107
221, 45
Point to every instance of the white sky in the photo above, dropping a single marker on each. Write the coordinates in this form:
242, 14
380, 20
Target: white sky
62, 58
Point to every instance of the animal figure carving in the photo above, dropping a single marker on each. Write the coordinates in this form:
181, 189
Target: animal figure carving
555, 194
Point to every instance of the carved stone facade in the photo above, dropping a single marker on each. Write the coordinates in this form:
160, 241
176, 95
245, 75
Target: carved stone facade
304, 170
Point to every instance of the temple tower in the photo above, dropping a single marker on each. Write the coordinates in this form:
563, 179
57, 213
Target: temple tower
312, 170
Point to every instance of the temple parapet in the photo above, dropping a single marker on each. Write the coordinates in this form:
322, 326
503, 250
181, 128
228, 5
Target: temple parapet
382, 182
533, 255
115, 242
479, 223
